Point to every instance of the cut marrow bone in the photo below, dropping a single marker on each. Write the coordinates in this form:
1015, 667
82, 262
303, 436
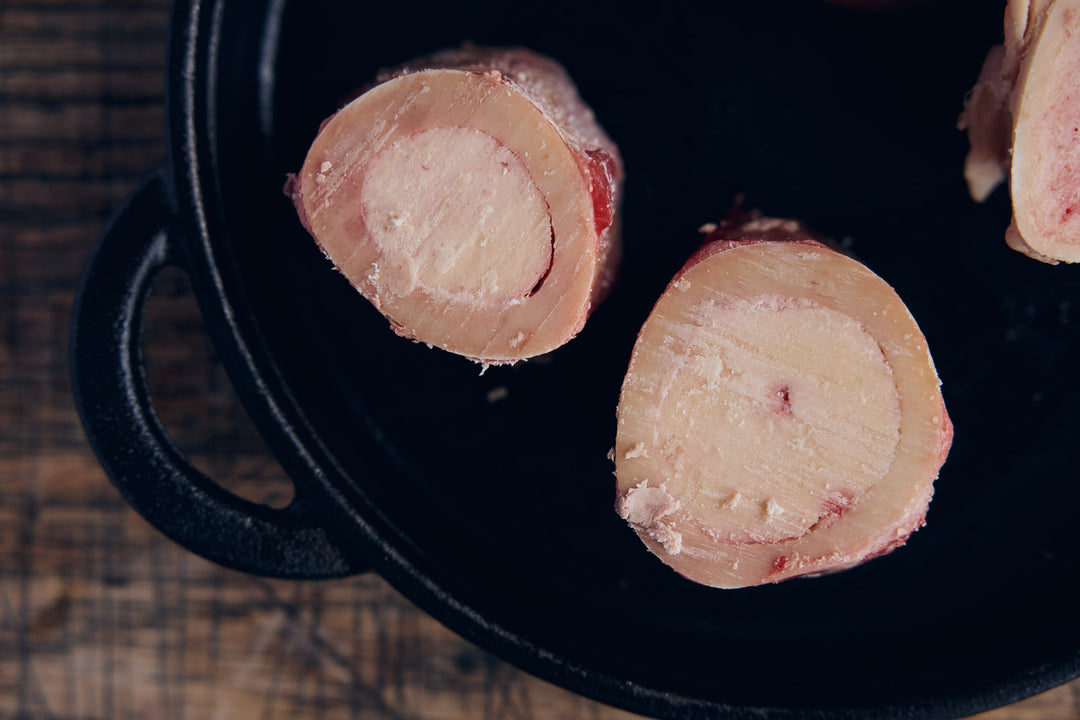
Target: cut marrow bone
472, 198
1023, 119
781, 415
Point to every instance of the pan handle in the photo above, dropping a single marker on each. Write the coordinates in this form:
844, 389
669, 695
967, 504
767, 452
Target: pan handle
109, 384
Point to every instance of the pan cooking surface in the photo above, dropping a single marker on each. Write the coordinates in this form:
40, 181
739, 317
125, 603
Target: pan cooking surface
496, 485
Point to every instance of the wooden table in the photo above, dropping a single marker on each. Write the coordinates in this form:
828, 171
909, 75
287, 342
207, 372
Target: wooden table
100, 616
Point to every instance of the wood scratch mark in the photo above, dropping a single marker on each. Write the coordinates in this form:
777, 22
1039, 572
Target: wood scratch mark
181, 644
31, 692
239, 678
363, 695
278, 661
506, 697
161, 621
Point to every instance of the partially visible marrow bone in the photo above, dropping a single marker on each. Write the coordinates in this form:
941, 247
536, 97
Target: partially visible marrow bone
472, 197
781, 415
1023, 122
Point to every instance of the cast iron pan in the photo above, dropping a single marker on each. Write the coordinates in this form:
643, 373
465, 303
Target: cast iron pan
497, 517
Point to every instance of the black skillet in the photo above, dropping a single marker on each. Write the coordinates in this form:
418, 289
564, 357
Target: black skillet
495, 515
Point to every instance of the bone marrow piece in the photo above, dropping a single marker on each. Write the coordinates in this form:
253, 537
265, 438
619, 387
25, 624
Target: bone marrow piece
781, 414
472, 197
1023, 122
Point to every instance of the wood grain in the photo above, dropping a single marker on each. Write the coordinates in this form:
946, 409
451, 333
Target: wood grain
101, 618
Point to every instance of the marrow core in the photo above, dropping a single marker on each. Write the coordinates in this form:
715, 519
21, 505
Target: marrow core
455, 212
792, 409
